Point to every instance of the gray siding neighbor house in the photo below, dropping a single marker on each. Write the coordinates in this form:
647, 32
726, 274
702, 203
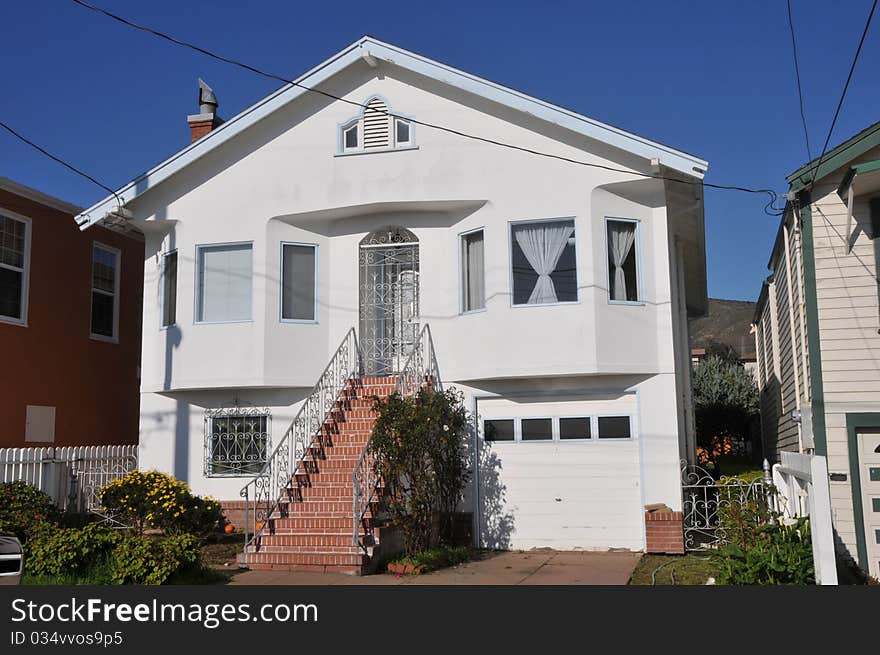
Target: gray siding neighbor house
817, 334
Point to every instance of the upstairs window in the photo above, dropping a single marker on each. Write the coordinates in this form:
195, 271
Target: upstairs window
473, 268
14, 268
376, 128
224, 283
298, 277
169, 289
623, 274
543, 262
105, 291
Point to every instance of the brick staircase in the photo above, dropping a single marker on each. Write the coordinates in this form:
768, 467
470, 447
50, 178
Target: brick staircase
312, 528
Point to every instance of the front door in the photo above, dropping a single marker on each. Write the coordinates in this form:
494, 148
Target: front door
869, 462
388, 299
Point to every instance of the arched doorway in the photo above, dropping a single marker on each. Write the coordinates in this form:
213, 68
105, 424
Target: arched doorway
388, 298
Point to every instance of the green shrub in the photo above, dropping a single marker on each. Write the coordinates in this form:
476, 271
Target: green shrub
143, 561
71, 551
150, 499
775, 554
419, 448
24, 508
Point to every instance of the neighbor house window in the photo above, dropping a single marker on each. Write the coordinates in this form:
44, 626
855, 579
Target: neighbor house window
298, 275
498, 430
543, 260
169, 289
473, 272
14, 268
224, 283
614, 427
623, 274
105, 291
236, 441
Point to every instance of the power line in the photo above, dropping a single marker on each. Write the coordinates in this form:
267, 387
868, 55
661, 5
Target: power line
771, 204
55, 158
852, 69
797, 72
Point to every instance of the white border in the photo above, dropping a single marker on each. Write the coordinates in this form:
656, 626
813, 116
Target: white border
314, 320
640, 290
117, 275
556, 219
22, 321
198, 289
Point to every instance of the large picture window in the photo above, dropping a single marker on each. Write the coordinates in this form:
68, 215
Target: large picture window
105, 291
473, 272
623, 274
544, 262
298, 277
224, 283
14, 264
236, 441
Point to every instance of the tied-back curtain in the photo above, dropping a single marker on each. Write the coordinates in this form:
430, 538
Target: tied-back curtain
543, 244
621, 237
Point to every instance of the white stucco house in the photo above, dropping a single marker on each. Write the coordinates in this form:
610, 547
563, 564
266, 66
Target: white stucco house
557, 293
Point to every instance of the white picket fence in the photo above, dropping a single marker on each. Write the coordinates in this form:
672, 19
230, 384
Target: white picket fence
802, 483
72, 476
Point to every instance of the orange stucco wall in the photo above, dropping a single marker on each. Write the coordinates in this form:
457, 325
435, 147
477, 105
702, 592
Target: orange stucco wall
52, 361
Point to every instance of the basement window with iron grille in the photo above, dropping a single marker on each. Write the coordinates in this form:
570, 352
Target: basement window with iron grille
236, 441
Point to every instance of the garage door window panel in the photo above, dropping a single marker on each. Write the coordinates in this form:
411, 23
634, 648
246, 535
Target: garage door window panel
536, 429
615, 427
499, 430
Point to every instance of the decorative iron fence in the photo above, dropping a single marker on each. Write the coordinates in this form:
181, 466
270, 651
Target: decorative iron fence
703, 497
419, 371
72, 475
264, 493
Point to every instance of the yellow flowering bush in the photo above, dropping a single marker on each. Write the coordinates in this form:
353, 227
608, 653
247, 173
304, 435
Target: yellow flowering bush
151, 499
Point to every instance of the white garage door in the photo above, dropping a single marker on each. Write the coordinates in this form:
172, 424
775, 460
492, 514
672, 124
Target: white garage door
560, 473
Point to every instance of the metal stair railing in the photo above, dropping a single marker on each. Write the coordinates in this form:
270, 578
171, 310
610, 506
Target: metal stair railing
264, 493
419, 372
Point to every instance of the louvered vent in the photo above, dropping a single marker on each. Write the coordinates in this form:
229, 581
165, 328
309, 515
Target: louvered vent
376, 122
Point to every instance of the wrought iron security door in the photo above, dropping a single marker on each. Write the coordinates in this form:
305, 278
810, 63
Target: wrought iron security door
389, 298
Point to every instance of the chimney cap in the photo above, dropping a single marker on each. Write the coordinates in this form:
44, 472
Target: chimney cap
207, 99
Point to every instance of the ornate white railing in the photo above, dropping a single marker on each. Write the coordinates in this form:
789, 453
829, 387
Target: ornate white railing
420, 371
264, 493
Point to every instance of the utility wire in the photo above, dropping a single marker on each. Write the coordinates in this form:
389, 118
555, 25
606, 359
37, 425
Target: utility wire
771, 204
55, 158
852, 69
797, 73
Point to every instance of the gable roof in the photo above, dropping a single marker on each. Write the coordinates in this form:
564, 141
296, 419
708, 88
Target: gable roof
836, 157
372, 49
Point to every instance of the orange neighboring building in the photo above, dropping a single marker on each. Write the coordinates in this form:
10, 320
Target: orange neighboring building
70, 325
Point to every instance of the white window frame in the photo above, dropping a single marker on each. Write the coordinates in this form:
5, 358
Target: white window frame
577, 283
313, 321
163, 300
358, 121
92, 290
461, 310
225, 413
25, 271
198, 289
594, 429
638, 246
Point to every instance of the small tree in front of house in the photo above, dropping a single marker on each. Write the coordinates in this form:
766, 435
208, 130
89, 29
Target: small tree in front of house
726, 399
419, 445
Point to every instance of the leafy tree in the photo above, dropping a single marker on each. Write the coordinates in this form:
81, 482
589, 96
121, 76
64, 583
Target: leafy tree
726, 399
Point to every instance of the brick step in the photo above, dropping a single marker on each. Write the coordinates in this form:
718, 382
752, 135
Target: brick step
331, 464
320, 541
324, 522
338, 450
318, 506
304, 568
306, 558
347, 549
323, 478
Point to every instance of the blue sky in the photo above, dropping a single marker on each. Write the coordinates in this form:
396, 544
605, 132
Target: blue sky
715, 79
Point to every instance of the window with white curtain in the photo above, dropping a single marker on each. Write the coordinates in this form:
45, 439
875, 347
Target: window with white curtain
224, 283
543, 262
623, 274
14, 264
473, 272
298, 277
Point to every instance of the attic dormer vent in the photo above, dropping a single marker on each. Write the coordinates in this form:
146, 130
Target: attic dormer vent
376, 123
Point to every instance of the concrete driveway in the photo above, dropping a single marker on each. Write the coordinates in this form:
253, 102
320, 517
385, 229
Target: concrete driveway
535, 567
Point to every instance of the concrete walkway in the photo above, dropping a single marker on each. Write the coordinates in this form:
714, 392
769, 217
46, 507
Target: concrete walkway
535, 567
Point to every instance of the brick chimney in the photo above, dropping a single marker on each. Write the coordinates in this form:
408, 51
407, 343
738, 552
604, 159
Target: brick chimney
207, 119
